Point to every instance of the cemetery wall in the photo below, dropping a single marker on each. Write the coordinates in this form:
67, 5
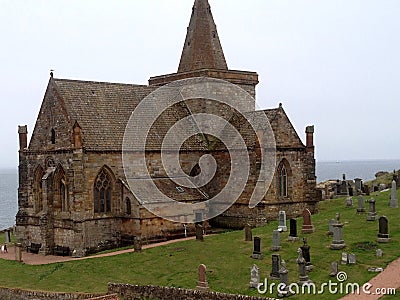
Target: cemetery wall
18, 294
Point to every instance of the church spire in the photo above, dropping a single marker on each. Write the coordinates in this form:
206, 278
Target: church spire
202, 49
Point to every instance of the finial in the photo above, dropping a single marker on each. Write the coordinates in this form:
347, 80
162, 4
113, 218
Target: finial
280, 105
51, 73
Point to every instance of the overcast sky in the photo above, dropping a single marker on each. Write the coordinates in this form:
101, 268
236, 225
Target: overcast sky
332, 63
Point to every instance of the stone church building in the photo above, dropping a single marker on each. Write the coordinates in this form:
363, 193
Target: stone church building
72, 189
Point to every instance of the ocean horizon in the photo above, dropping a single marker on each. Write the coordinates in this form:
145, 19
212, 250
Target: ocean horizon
325, 170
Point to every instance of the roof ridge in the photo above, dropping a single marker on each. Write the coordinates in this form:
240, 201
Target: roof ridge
98, 82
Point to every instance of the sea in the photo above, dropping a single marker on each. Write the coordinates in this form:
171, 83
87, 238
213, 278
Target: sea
364, 169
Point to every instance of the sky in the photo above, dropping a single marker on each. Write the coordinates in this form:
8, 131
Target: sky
334, 64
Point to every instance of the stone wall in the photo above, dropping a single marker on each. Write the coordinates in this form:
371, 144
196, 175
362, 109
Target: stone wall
17, 294
136, 292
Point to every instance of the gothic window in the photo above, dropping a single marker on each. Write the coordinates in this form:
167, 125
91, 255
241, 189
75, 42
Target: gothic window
53, 136
102, 192
60, 190
63, 195
284, 175
128, 206
283, 182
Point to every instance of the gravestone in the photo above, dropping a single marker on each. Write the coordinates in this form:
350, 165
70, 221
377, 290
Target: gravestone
8, 236
137, 244
284, 280
248, 233
383, 235
366, 190
18, 252
349, 202
334, 269
257, 248
379, 253
254, 276
358, 186
352, 259
199, 232
303, 277
202, 283
337, 242
372, 215
305, 249
344, 258
275, 240
276, 261
293, 230
375, 187
361, 204
394, 203
282, 221
307, 225
330, 226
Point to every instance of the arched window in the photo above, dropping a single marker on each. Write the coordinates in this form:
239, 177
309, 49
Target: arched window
63, 195
284, 175
38, 190
102, 192
61, 190
53, 136
283, 182
128, 206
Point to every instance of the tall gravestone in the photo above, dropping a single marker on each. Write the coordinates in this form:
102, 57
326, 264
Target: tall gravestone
372, 215
361, 204
284, 280
330, 226
254, 276
334, 269
383, 235
305, 249
358, 185
199, 232
248, 235
257, 248
276, 260
282, 221
202, 283
276, 240
394, 203
303, 277
293, 230
337, 242
308, 227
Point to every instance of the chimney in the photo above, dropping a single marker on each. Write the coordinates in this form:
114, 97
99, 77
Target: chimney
23, 137
310, 137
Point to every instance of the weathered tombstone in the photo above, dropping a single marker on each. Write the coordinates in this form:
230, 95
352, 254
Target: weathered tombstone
372, 215
202, 283
379, 253
254, 276
305, 249
137, 244
337, 242
8, 236
334, 269
361, 204
276, 240
293, 230
284, 280
383, 235
394, 202
199, 232
248, 234
330, 226
344, 258
352, 259
307, 225
349, 202
276, 260
358, 185
303, 277
366, 190
257, 248
18, 252
282, 221
351, 193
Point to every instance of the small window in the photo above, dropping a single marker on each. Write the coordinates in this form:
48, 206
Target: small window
128, 206
53, 136
180, 189
283, 182
102, 193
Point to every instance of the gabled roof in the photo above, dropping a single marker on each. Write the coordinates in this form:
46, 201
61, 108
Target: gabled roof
202, 49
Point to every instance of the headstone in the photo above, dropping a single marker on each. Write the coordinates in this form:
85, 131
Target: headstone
254, 276
349, 202
379, 253
351, 192
257, 248
305, 249
358, 185
375, 187
18, 252
337, 242
199, 232
307, 225
334, 269
330, 226
372, 215
276, 240
303, 277
352, 258
366, 190
394, 202
383, 235
284, 280
276, 261
344, 258
361, 204
293, 230
202, 283
137, 244
248, 234
282, 221
8, 236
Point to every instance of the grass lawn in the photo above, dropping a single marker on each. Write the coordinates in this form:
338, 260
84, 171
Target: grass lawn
227, 257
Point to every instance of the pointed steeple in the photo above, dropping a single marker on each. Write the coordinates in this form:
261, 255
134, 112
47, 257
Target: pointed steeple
202, 49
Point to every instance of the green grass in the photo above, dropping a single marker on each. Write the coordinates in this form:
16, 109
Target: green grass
227, 257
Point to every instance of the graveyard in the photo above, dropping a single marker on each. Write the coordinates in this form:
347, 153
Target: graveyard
229, 258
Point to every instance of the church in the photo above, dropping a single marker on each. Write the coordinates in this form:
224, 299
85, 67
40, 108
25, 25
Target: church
73, 190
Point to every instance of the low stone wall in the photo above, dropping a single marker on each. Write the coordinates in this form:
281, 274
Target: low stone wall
107, 297
137, 292
17, 294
